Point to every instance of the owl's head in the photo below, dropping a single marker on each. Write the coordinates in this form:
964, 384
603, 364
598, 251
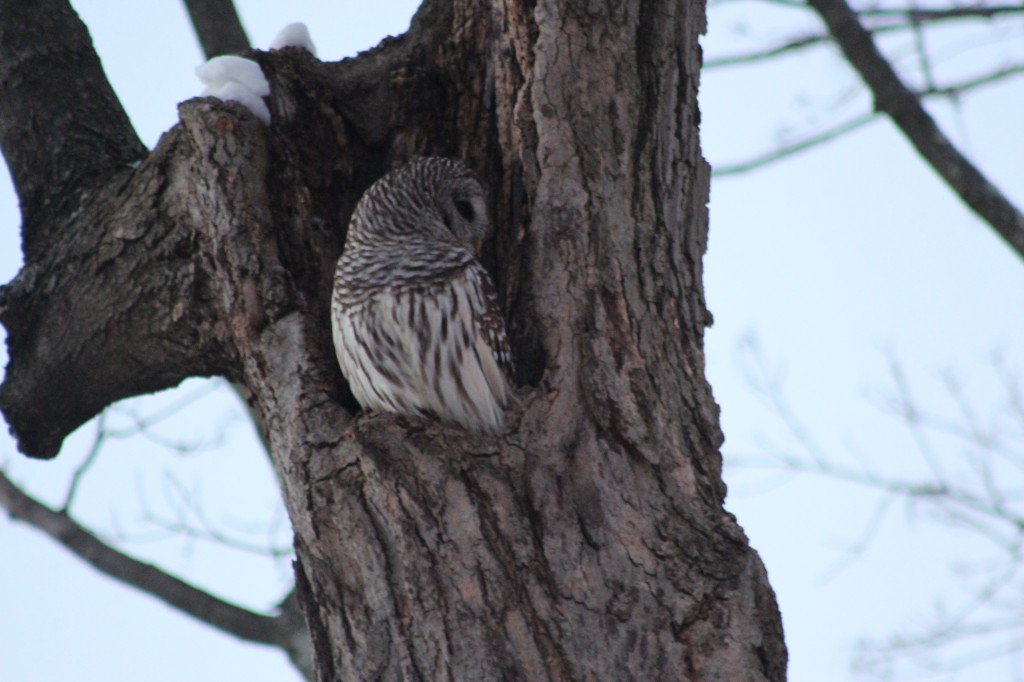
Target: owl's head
463, 205
435, 195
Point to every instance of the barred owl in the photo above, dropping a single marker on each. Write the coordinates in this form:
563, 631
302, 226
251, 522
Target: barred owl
415, 319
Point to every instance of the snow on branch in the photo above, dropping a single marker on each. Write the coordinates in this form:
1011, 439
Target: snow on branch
241, 80
236, 79
294, 35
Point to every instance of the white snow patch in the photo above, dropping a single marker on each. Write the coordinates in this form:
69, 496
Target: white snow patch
236, 79
229, 68
294, 35
232, 91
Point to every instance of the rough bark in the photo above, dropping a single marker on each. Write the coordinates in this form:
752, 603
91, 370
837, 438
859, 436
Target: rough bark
101, 310
589, 541
62, 131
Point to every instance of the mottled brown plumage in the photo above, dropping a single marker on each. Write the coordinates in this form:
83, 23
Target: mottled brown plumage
415, 318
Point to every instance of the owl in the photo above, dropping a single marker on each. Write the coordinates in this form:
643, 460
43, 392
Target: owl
414, 316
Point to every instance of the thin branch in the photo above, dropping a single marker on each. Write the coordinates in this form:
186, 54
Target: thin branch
868, 534
97, 444
910, 413
794, 4
177, 593
217, 26
971, 491
957, 89
180, 402
974, 496
769, 385
921, 15
893, 98
1014, 391
791, 45
908, 20
794, 148
954, 90
209, 534
141, 425
921, 50
187, 506
955, 628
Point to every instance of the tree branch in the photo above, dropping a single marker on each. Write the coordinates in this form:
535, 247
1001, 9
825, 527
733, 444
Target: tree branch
794, 148
920, 15
202, 606
957, 89
217, 26
81, 332
791, 45
96, 222
890, 21
840, 129
960, 481
62, 129
892, 97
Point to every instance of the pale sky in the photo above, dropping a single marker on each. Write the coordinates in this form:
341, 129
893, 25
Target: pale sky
837, 260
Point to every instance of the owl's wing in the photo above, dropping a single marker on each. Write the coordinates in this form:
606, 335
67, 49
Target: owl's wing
489, 326
489, 320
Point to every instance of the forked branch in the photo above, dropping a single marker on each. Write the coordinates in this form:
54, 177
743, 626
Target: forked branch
895, 99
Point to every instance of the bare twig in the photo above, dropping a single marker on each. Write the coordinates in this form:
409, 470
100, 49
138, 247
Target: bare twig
923, 650
905, 20
920, 15
963, 484
768, 384
921, 50
954, 90
213, 535
868, 534
141, 425
97, 444
792, 45
242, 623
794, 148
911, 415
957, 89
174, 407
188, 507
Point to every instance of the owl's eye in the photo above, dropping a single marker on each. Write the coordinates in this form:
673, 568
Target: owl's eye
465, 209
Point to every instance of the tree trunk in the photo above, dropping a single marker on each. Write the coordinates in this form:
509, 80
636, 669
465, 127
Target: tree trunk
589, 542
